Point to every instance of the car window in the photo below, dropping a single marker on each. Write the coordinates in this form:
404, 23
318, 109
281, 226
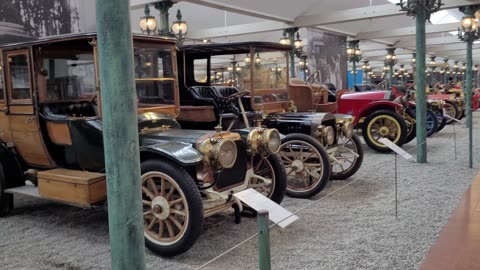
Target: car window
19, 77
69, 73
154, 75
200, 70
227, 70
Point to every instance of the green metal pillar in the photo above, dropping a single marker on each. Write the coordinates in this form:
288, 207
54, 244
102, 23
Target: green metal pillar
163, 7
120, 134
263, 240
421, 102
292, 64
354, 73
469, 101
390, 79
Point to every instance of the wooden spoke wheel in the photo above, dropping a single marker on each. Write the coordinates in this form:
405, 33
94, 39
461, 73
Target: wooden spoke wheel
172, 208
271, 168
384, 124
450, 110
348, 163
307, 165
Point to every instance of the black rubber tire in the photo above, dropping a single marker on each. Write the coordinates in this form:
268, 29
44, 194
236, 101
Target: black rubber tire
6, 199
194, 202
325, 163
411, 133
280, 181
442, 120
356, 164
434, 119
454, 107
400, 122
462, 114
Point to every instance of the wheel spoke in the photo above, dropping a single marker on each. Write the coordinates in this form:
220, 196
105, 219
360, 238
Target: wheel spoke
170, 192
171, 203
146, 202
148, 193
162, 187
146, 213
154, 220
178, 212
152, 186
176, 222
285, 157
169, 228
161, 227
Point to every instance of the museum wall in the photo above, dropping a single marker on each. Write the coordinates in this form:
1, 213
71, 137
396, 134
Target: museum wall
327, 53
22, 20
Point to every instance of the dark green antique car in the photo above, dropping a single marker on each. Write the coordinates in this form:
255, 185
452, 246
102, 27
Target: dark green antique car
217, 80
51, 135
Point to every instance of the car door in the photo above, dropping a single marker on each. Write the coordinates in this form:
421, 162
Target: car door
25, 133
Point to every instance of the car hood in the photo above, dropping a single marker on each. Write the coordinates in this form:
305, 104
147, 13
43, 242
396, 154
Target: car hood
367, 95
177, 135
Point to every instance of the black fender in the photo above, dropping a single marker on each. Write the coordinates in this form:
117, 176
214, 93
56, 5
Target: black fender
12, 167
178, 152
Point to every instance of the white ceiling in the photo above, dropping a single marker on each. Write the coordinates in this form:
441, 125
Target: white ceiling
239, 20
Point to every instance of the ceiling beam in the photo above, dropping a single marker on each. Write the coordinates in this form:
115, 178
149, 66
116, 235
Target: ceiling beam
364, 13
407, 31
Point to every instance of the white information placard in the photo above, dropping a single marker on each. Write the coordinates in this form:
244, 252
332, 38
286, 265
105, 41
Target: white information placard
395, 148
257, 201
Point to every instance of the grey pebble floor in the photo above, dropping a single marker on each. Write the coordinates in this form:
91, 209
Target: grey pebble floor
355, 228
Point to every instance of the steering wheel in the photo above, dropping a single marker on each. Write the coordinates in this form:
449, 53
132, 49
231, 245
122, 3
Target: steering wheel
314, 78
235, 96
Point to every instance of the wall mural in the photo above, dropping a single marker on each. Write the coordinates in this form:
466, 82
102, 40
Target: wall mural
326, 53
23, 20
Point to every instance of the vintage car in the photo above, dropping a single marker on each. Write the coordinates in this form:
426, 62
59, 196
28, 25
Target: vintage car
374, 112
214, 76
51, 135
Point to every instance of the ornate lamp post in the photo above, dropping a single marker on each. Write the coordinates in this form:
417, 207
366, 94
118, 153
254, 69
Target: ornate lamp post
390, 61
292, 36
366, 68
147, 23
421, 10
303, 66
446, 70
178, 29
354, 55
468, 33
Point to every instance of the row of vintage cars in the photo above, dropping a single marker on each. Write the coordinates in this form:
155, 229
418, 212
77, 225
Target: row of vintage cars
200, 141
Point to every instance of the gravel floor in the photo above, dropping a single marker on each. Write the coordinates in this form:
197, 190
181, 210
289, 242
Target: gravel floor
355, 228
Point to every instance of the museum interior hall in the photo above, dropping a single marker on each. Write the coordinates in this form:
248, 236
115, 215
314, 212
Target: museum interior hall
239, 134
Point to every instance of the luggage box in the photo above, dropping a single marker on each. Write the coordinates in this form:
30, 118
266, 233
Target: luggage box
78, 188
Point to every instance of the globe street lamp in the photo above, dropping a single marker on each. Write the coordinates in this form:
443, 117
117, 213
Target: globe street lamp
147, 23
390, 61
291, 36
354, 55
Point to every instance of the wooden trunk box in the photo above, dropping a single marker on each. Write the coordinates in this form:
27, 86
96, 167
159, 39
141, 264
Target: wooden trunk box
74, 187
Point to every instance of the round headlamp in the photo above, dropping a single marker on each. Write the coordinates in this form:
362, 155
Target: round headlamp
347, 129
225, 153
328, 135
261, 140
274, 141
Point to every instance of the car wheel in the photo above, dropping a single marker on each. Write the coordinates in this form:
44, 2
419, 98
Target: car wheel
451, 110
348, 163
461, 114
442, 120
410, 119
270, 167
172, 208
384, 124
306, 164
432, 123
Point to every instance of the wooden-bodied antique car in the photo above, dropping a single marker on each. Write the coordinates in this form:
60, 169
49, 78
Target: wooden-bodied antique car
51, 135
218, 81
